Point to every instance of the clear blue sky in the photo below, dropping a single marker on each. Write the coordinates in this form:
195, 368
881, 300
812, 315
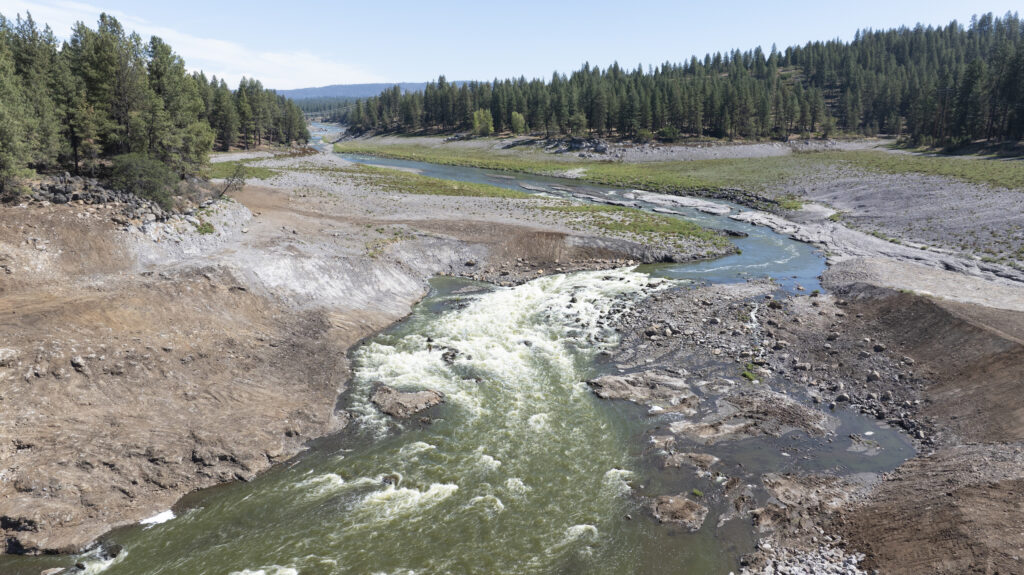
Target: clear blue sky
302, 44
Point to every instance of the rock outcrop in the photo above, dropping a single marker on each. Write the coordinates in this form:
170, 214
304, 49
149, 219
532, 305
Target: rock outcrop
658, 390
403, 404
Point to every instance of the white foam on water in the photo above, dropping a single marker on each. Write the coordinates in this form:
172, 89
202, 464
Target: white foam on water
488, 462
575, 535
617, 481
516, 487
511, 364
323, 484
584, 531
328, 483
271, 570
510, 337
392, 501
538, 421
489, 502
162, 517
95, 563
415, 448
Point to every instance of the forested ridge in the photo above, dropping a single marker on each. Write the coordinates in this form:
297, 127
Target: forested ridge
931, 85
105, 95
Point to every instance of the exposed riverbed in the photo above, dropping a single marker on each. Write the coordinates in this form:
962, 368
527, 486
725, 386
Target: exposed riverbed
522, 469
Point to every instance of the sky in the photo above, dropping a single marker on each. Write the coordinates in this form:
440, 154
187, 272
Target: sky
302, 44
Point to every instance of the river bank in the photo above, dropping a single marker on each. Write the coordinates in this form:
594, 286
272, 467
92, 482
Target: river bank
938, 371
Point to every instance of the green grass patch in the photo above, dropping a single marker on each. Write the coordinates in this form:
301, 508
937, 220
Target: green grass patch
988, 171
674, 176
637, 224
749, 372
751, 174
205, 228
409, 183
697, 492
790, 202
222, 170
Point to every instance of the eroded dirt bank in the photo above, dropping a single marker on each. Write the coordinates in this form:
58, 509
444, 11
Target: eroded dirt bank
145, 361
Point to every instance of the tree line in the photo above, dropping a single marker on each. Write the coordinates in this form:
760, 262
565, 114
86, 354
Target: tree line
325, 106
105, 94
933, 85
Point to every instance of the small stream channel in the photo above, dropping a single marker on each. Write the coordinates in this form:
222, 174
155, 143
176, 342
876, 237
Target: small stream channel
521, 470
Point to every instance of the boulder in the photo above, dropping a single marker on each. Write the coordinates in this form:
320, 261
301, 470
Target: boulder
649, 388
702, 461
681, 510
403, 404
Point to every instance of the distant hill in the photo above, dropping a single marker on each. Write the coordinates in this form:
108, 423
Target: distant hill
353, 90
349, 90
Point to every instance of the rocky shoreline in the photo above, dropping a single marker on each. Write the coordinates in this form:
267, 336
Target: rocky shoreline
727, 362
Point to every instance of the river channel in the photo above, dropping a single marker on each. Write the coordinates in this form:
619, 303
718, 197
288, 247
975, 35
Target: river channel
521, 470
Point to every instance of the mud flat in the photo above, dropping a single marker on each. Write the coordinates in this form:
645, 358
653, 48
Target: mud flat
143, 361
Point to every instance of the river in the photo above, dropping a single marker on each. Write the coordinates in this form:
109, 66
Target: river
521, 470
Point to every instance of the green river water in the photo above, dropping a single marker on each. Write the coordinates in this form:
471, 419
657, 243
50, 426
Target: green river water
522, 470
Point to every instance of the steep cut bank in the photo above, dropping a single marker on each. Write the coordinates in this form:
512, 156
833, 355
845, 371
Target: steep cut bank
956, 509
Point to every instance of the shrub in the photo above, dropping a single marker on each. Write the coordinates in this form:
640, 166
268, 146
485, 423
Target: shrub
668, 134
643, 136
145, 177
483, 122
518, 123
205, 228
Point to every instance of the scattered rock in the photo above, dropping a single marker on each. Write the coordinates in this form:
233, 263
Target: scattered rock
8, 357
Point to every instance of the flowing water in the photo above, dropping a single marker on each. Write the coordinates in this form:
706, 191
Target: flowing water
763, 253
521, 470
